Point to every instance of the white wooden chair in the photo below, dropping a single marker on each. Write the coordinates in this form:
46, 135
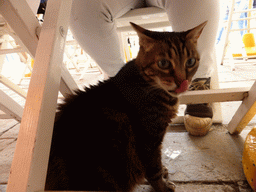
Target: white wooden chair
28, 171
10, 107
26, 35
149, 18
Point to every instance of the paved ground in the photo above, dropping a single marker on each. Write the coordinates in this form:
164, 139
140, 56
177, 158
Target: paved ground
210, 163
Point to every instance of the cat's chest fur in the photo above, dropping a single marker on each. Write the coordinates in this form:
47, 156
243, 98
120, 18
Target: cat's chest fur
153, 106
120, 119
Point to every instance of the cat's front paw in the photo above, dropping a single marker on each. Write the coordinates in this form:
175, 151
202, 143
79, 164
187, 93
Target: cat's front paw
165, 172
171, 186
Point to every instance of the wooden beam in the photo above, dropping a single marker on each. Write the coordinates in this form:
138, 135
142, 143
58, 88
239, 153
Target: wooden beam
148, 17
214, 95
161, 24
29, 166
26, 29
22, 20
244, 113
5, 116
9, 51
13, 86
10, 107
68, 84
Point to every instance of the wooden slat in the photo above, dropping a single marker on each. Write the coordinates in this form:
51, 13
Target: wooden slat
9, 51
22, 20
148, 17
26, 29
217, 95
13, 86
244, 113
161, 24
10, 107
29, 166
68, 84
5, 116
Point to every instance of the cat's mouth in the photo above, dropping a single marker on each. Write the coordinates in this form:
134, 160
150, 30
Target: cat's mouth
181, 88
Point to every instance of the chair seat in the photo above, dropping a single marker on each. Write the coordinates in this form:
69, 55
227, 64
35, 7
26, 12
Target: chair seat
149, 17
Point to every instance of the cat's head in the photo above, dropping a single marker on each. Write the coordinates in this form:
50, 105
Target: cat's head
168, 60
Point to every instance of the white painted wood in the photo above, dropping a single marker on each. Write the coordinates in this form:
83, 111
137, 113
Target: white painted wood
142, 16
146, 26
13, 86
148, 17
25, 28
247, 10
218, 95
22, 20
28, 171
68, 84
230, 16
214, 97
8, 51
72, 61
5, 116
217, 110
244, 113
2, 57
10, 107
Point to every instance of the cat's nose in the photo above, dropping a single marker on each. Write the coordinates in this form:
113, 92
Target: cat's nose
183, 87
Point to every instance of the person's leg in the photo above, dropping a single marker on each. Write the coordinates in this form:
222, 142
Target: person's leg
183, 15
93, 26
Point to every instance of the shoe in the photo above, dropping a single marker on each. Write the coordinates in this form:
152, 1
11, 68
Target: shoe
198, 117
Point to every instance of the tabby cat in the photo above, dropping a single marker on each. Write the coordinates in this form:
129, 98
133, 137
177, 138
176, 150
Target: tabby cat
108, 137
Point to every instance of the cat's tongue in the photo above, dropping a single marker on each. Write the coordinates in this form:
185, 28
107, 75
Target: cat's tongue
183, 87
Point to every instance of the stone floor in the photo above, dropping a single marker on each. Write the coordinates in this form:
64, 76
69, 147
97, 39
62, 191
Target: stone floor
196, 164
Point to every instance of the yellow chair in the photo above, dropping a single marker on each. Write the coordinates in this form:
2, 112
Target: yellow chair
249, 44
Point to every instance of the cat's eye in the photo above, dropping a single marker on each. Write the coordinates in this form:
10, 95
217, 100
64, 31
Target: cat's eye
164, 64
190, 62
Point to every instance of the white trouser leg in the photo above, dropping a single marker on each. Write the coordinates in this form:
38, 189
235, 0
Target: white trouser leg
92, 24
186, 14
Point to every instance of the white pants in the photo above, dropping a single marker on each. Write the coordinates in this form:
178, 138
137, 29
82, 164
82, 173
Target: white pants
93, 26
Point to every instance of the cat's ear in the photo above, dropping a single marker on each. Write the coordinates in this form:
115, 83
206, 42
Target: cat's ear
195, 33
145, 41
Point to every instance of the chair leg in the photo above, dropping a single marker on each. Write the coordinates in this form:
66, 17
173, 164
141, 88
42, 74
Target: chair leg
29, 166
244, 113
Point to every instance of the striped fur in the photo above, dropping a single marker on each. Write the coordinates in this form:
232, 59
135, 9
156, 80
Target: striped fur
109, 137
